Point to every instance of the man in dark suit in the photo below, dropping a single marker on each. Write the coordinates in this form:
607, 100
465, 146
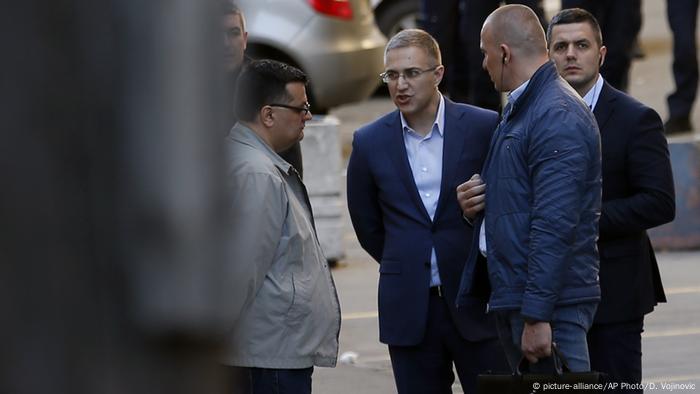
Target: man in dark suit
402, 176
638, 194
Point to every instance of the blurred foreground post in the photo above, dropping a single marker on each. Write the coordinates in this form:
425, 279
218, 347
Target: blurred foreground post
112, 213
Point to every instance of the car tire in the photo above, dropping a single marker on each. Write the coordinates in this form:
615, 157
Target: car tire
395, 15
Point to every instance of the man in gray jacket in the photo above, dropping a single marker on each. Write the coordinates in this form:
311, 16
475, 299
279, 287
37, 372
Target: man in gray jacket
289, 318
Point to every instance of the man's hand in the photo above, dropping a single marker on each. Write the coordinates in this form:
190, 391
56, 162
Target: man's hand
471, 197
536, 341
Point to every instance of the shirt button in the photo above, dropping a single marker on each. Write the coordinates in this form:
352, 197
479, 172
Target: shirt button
424, 169
427, 194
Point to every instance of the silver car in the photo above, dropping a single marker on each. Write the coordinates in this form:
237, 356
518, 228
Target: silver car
335, 42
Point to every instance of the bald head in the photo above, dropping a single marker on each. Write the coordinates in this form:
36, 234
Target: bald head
513, 45
517, 27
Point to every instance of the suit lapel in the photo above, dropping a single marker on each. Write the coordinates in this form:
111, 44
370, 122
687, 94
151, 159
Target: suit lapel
604, 107
397, 152
453, 145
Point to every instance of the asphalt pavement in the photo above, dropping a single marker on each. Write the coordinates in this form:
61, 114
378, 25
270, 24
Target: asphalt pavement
671, 341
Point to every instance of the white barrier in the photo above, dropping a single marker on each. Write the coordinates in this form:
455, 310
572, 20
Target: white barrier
321, 156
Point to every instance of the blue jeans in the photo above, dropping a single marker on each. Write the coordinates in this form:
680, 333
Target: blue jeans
569, 327
272, 381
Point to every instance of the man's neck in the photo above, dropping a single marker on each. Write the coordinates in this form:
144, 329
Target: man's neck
527, 70
261, 131
583, 90
423, 122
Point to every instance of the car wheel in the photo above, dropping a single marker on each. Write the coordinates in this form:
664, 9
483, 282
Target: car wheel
396, 15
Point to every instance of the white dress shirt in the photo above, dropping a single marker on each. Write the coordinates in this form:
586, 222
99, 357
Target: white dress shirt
591, 98
425, 158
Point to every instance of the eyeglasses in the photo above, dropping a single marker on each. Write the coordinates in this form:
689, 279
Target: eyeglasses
408, 74
302, 110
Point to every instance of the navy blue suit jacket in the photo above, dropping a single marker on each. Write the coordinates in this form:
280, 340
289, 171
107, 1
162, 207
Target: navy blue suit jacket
638, 194
394, 227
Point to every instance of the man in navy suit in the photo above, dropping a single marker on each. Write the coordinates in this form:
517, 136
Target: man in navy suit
402, 177
638, 194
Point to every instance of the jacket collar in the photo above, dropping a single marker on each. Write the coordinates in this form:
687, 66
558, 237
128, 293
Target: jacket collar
546, 73
439, 118
246, 136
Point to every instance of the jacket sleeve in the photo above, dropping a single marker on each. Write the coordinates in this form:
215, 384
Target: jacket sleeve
649, 177
260, 207
562, 150
363, 202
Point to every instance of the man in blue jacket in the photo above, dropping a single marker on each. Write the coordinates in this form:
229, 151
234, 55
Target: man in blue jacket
543, 197
401, 177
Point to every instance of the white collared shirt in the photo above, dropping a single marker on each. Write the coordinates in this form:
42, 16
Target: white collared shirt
515, 94
591, 98
425, 158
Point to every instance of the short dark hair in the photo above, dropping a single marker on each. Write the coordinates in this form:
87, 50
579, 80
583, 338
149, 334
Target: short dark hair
575, 15
263, 82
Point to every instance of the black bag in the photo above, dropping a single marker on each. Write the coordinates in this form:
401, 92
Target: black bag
561, 380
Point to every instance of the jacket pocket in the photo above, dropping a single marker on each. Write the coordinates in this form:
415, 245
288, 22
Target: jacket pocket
301, 300
390, 267
510, 158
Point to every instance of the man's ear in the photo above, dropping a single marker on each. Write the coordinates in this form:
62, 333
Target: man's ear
603, 51
505, 54
267, 116
439, 74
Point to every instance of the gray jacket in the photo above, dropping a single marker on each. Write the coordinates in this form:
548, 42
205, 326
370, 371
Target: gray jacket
290, 314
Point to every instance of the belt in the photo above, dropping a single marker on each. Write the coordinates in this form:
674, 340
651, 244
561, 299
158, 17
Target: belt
437, 291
